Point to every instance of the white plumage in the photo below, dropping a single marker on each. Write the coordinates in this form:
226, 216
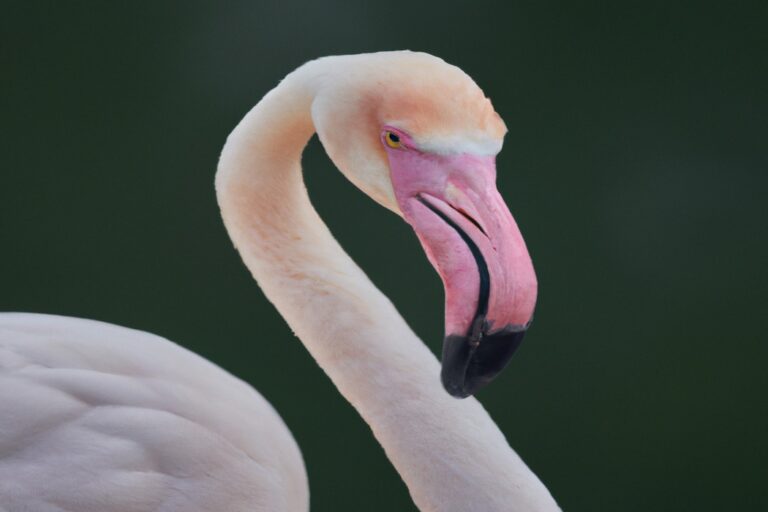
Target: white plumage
99, 418
96, 418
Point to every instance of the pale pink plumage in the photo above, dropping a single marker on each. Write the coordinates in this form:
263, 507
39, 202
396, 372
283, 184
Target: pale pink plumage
98, 418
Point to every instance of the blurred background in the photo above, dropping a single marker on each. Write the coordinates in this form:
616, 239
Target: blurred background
636, 165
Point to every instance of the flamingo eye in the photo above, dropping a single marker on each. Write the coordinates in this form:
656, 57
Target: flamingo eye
392, 140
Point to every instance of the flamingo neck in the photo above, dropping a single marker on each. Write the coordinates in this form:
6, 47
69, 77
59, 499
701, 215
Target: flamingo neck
449, 452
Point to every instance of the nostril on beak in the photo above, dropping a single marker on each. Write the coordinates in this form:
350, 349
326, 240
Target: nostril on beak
470, 219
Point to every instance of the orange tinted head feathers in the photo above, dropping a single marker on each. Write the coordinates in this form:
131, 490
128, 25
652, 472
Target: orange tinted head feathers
437, 104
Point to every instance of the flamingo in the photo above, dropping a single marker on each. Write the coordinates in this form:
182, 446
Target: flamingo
100, 418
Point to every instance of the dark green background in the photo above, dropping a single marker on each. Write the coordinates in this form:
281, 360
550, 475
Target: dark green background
636, 165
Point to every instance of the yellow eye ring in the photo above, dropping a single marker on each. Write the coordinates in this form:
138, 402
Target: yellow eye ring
392, 140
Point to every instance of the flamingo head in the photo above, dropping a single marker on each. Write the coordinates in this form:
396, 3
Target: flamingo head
420, 137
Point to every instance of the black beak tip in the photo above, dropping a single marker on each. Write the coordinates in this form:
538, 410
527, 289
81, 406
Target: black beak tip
468, 367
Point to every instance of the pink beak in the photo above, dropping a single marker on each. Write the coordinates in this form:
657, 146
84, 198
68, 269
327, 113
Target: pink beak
473, 242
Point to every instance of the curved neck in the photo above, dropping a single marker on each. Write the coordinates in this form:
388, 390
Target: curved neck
449, 452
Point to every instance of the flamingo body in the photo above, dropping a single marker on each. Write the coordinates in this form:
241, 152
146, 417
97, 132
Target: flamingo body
100, 418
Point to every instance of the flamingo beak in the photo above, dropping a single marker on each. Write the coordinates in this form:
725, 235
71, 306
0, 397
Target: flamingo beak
472, 240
